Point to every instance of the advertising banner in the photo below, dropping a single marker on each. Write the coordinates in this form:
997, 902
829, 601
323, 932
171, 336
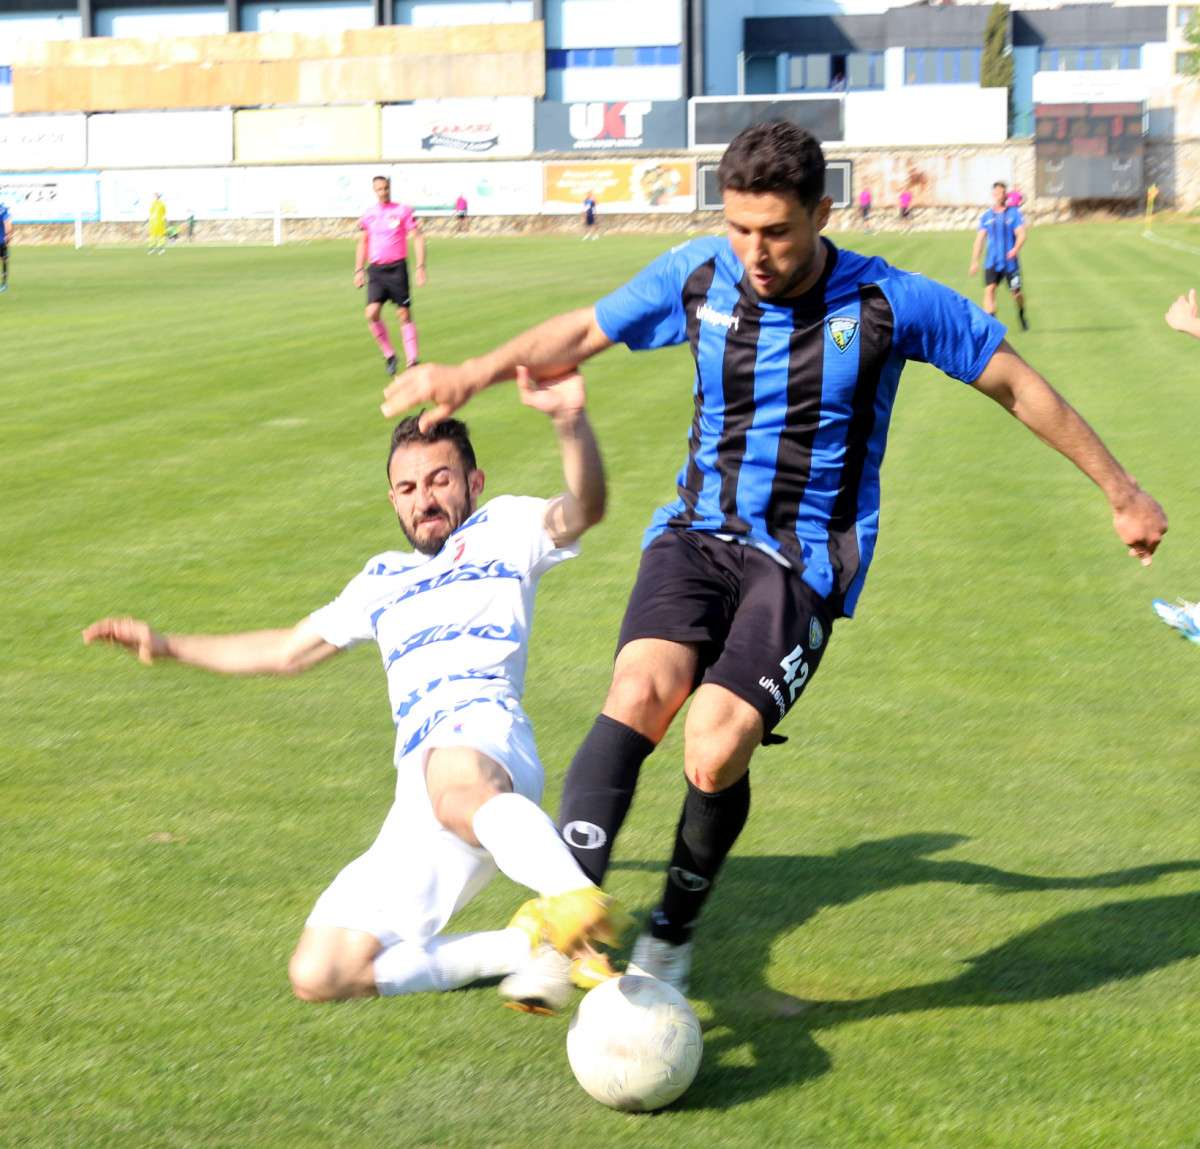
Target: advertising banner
458, 129
299, 135
652, 185
50, 197
490, 189
945, 181
595, 126
168, 139
34, 143
340, 191
715, 120
125, 196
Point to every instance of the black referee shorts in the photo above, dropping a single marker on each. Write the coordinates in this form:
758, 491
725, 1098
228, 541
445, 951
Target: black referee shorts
388, 281
760, 629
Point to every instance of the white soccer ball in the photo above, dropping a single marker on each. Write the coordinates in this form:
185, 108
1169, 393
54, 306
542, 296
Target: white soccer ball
634, 1043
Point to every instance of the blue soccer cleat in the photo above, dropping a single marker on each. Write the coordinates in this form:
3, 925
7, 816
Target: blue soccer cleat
1183, 616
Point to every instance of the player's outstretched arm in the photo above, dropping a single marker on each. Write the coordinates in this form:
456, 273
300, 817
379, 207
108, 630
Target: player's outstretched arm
977, 251
251, 652
1182, 315
550, 350
581, 505
1137, 518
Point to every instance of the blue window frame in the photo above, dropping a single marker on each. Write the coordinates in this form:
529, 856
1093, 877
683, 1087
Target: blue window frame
648, 56
1112, 57
823, 72
942, 65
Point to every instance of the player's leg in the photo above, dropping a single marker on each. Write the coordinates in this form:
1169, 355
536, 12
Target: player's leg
679, 605
775, 643
1016, 286
408, 333
990, 279
3, 264
375, 324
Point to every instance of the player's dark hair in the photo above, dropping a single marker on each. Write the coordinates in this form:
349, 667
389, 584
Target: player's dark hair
408, 431
776, 156
386, 180
1000, 184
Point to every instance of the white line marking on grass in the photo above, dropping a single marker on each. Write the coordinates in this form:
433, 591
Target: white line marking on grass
1187, 247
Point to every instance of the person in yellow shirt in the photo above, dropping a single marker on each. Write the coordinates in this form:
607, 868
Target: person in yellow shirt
158, 225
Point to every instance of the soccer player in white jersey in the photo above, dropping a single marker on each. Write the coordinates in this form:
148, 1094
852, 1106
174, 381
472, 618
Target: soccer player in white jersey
451, 619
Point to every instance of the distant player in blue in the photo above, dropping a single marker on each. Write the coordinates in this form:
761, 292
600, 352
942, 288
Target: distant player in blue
589, 217
6, 231
1002, 229
799, 348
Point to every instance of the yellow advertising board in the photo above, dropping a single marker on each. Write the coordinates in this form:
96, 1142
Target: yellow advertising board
651, 185
306, 135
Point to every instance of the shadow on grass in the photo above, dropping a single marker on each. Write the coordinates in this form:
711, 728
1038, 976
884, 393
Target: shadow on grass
772, 1033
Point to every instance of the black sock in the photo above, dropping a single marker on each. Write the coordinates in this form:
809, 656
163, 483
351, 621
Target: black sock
598, 791
707, 830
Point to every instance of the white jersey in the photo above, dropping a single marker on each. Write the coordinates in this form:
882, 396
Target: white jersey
467, 643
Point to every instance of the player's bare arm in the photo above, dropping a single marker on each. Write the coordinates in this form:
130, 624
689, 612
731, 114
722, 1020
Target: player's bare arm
1139, 521
1018, 242
581, 505
419, 249
360, 260
284, 651
550, 350
977, 251
1182, 315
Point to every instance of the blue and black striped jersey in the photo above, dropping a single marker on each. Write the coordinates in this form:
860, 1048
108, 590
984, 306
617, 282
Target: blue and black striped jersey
1001, 227
793, 400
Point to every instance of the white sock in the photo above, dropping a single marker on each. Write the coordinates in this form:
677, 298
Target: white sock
525, 845
449, 961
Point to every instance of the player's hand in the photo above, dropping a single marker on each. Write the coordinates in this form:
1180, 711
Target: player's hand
447, 388
360, 277
1011, 255
561, 398
974, 268
421, 277
1182, 313
136, 636
1140, 524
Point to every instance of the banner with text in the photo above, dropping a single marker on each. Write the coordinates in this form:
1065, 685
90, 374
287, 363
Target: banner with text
35, 143
596, 126
489, 189
651, 185
50, 197
206, 193
458, 129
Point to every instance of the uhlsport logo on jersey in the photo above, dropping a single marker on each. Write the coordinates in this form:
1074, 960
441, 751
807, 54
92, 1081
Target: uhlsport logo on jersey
842, 330
816, 633
584, 835
717, 318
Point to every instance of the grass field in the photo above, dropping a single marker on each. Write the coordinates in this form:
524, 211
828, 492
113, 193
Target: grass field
978, 852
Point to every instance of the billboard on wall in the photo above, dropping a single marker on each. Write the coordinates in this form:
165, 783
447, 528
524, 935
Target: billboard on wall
458, 129
50, 197
610, 126
652, 185
34, 143
299, 135
490, 189
935, 180
715, 120
837, 184
337, 191
206, 193
166, 139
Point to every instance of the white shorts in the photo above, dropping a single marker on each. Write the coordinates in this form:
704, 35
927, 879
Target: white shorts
417, 874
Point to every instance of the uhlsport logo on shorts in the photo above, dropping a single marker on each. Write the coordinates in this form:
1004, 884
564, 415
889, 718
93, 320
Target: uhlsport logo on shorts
686, 880
842, 330
816, 633
584, 835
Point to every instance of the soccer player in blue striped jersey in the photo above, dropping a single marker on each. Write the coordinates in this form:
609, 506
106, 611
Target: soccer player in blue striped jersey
799, 346
1002, 231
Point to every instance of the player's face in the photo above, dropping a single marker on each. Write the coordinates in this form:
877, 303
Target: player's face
999, 195
383, 190
432, 493
777, 239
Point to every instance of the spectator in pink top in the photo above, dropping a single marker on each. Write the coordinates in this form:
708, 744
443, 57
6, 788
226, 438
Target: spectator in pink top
460, 212
381, 261
1015, 198
864, 207
905, 203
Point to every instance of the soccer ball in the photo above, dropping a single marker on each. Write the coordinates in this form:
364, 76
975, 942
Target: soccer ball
634, 1043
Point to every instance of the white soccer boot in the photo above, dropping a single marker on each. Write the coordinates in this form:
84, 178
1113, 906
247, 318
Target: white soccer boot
1183, 616
664, 960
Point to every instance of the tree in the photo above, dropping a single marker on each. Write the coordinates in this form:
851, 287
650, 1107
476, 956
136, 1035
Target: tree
1188, 63
996, 66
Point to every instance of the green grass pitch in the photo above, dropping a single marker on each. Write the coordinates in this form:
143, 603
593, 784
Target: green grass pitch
977, 852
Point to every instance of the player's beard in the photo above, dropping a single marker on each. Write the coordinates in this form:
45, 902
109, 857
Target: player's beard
430, 545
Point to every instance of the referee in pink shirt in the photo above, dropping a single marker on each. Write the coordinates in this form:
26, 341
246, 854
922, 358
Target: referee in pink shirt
380, 260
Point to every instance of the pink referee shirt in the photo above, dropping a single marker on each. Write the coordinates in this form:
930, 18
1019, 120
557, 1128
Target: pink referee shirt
387, 226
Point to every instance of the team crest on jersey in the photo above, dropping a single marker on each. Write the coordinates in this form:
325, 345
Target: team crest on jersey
816, 633
842, 331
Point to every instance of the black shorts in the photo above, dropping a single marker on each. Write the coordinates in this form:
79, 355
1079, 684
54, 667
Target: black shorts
992, 275
761, 630
388, 281
3, 250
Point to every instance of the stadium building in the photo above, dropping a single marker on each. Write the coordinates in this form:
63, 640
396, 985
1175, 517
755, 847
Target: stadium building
274, 111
